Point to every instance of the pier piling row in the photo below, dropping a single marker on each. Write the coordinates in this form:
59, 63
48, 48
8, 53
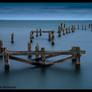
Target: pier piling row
42, 55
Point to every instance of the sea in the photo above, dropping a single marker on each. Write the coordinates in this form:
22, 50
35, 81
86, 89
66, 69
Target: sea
59, 76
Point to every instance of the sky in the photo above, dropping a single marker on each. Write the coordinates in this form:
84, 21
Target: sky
46, 11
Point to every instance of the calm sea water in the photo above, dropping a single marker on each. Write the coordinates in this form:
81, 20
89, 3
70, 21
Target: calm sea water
59, 76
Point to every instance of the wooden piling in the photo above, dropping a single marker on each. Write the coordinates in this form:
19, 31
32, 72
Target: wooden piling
1, 43
72, 28
53, 38
43, 58
1, 46
37, 33
29, 49
6, 58
66, 31
12, 38
40, 32
49, 36
31, 38
37, 53
76, 56
61, 26
59, 31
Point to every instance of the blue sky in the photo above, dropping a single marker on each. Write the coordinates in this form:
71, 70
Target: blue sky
46, 11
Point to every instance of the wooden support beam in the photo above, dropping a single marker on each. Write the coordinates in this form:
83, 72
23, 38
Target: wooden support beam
69, 52
59, 61
21, 60
43, 31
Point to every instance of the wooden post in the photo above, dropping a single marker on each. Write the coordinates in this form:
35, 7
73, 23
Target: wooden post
32, 34
89, 25
40, 32
37, 33
1, 46
37, 53
76, 56
66, 31
53, 38
29, 50
31, 38
64, 26
12, 38
43, 55
6, 57
72, 28
49, 36
59, 31
61, 26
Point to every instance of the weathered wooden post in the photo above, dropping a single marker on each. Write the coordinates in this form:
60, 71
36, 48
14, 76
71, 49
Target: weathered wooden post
31, 38
76, 56
61, 26
37, 53
6, 58
40, 32
53, 38
32, 34
12, 38
72, 28
1, 46
37, 33
89, 25
49, 36
59, 31
64, 25
66, 31
43, 55
29, 50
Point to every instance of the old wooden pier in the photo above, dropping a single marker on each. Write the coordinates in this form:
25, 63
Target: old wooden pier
41, 56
